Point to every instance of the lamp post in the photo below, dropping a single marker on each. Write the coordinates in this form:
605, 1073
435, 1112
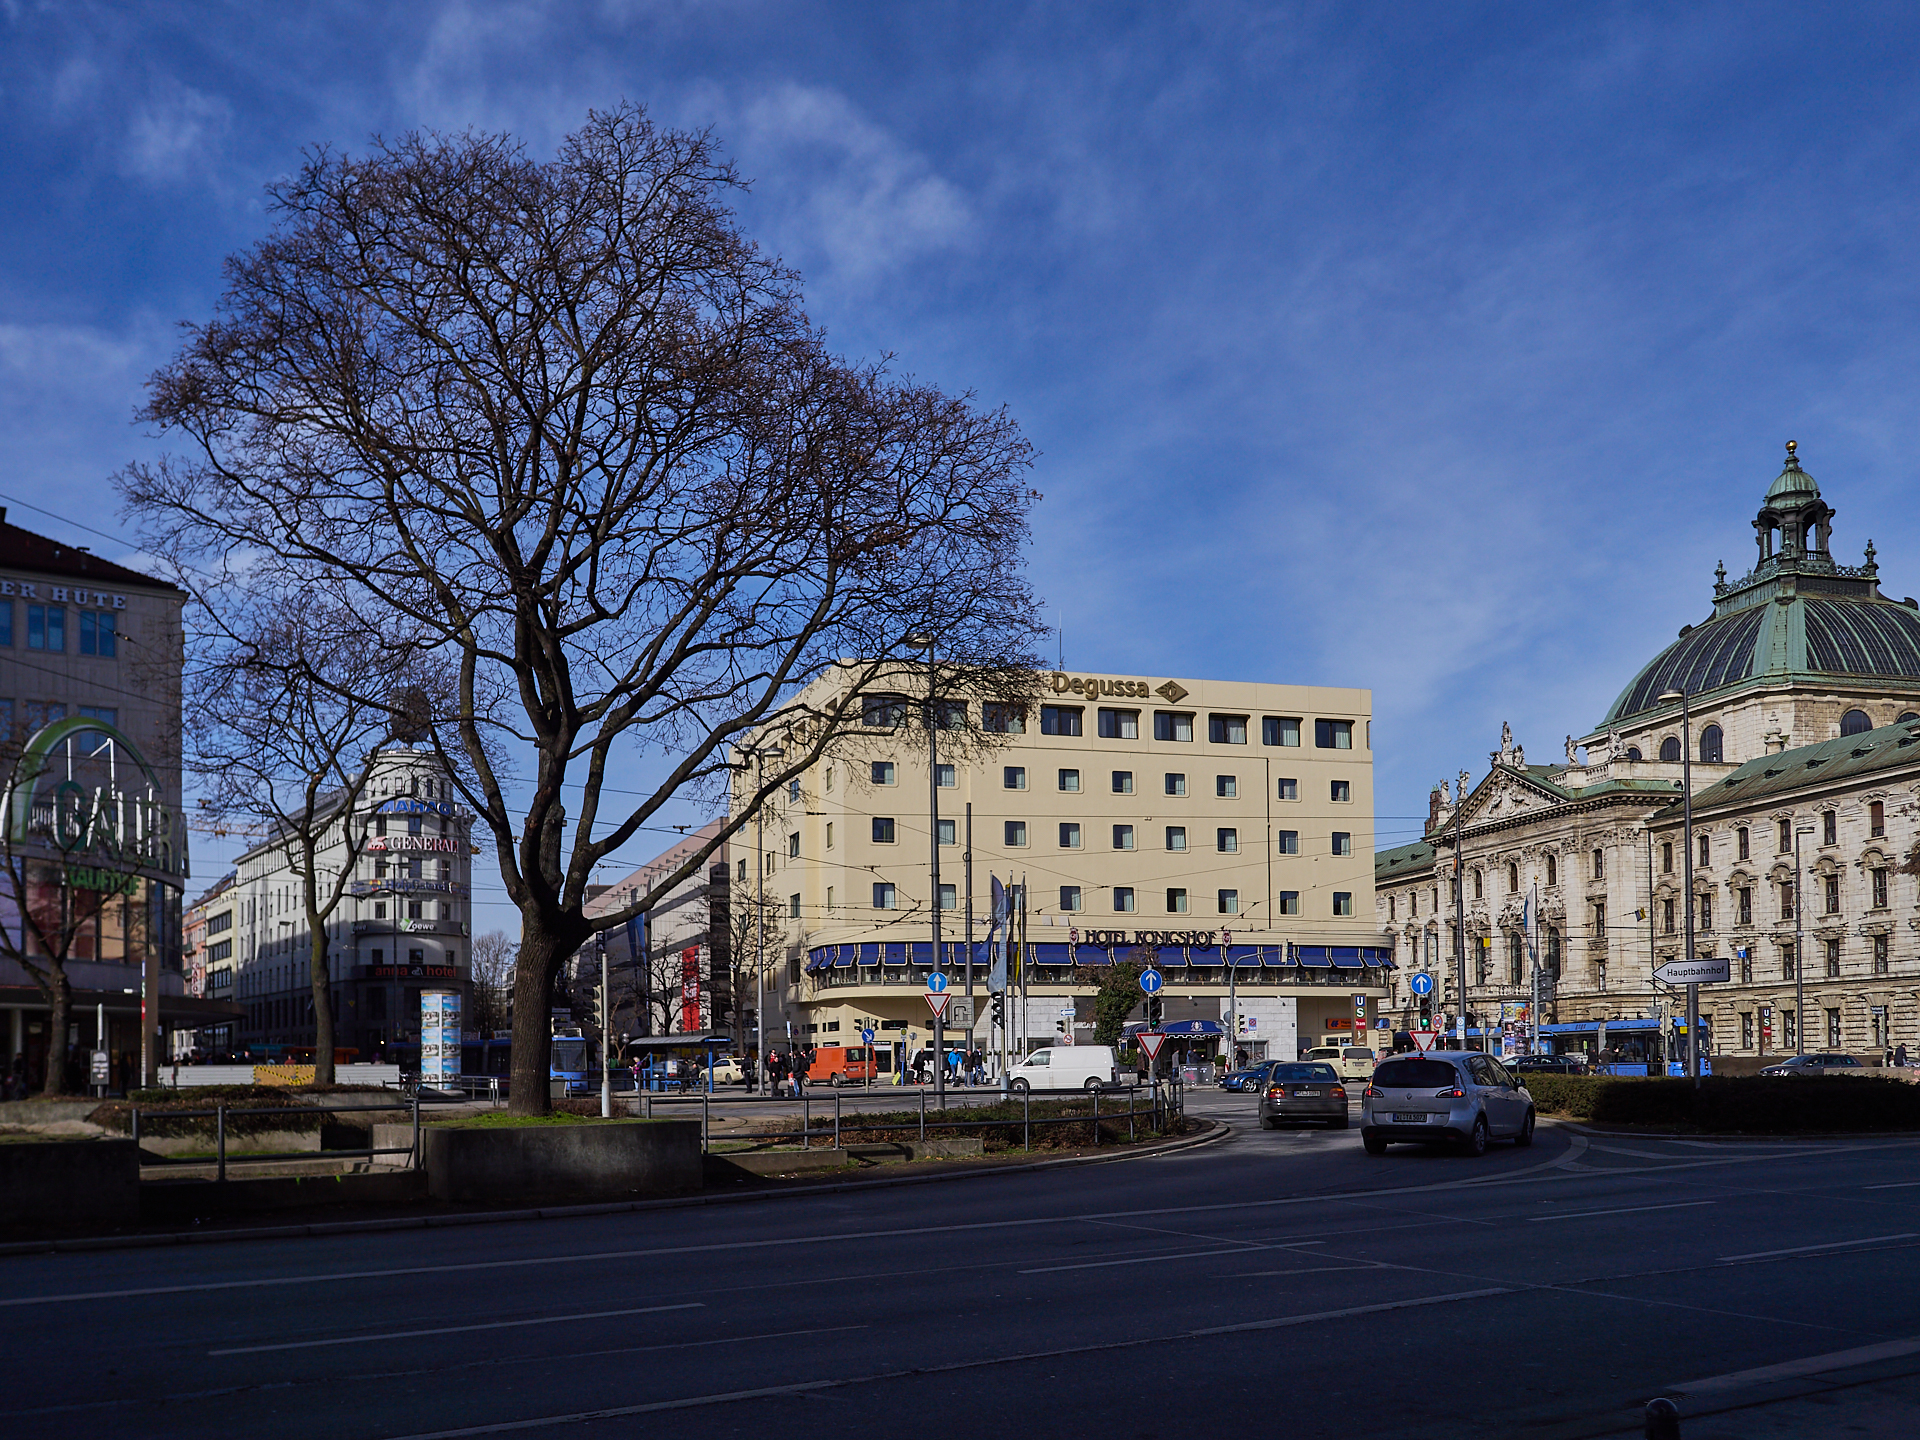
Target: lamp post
1799, 947
925, 642
1686, 870
760, 753
606, 1026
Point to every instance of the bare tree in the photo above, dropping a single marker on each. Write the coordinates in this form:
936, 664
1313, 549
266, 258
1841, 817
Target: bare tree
757, 935
493, 960
568, 420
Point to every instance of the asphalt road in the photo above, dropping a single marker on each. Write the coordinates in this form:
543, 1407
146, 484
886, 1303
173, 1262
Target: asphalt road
1285, 1281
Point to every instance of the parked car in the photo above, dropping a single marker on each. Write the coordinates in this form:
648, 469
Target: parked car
838, 1065
1066, 1067
1549, 1065
1252, 1078
1303, 1091
1354, 1062
1457, 1096
727, 1070
1815, 1065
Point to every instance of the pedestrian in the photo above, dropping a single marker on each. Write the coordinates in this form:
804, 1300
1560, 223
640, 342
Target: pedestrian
1900, 1055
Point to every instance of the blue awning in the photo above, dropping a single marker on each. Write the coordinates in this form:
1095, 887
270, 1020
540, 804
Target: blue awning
1193, 1027
1247, 956
843, 957
1345, 957
1277, 957
1314, 957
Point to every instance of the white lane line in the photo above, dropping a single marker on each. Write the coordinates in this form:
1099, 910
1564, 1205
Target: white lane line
1626, 1210
1810, 1249
1314, 1270
1281, 1321
1791, 1369
1896, 1185
453, 1329
804, 1386
1146, 1259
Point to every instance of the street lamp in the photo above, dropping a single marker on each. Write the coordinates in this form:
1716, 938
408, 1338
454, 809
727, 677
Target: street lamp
1799, 947
1686, 821
925, 641
760, 754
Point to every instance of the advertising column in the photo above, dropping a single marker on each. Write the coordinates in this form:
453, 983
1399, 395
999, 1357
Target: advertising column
439, 1037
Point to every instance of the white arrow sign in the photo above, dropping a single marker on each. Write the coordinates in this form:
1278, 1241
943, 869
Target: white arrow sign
1710, 971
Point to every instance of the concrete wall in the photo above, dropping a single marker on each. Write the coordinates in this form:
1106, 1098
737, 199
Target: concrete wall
70, 1182
619, 1161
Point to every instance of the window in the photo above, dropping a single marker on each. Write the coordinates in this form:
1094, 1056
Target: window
1516, 957
1786, 962
883, 772
830, 899
882, 830
1176, 784
1014, 777
883, 711
1703, 910
1878, 877
1069, 835
1342, 902
1119, 724
829, 838
1706, 851
949, 898
1333, 734
1288, 842
1599, 864
96, 631
1227, 729
1176, 837
107, 714
1060, 719
1710, 745
1743, 845
944, 777
1343, 845
1123, 900
1226, 787
1876, 818
1228, 902
1287, 789
793, 907
950, 715
1833, 959
829, 779
1832, 894
1880, 955
1341, 792
1227, 842
1003, 719
1280, 730
1069, 897
1479, 885
1670, 749
1123, 782
1745, 895
793, 846
1855, 722
1666, 857
1513, 878
741, 873
884, 896
1553, 871
1600, 920
1786, 900
1123, 837
947, 832
1172, 725
1176, 902
1289, 902
1829, 827
1016, 833
1390, 908
1790, 1028
1746, 1030
1553, 952
6, 622
218, 924
1666, 916
46, 627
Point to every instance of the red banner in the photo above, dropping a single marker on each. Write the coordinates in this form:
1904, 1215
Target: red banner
690, 990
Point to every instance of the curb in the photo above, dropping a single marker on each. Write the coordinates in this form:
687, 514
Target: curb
1220, 1132
1731, 1137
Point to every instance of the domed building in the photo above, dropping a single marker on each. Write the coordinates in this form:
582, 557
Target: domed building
1801, 727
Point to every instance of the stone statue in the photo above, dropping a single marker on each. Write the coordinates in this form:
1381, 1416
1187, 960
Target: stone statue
1463, 787
1506, 736
1446, 793
1570, 755
1519, 757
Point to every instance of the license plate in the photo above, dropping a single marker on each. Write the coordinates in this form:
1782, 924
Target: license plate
1401, 1117
1306, 1092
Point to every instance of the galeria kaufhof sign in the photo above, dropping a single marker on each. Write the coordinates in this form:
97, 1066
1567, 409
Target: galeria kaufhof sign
83, 793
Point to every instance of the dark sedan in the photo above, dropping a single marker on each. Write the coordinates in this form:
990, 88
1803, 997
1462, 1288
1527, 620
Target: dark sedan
1549, 1065
1303, 1092
1816, 1065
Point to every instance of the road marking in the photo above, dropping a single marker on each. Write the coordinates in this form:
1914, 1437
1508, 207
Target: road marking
1146, 1259
1282, 1321
1809, 1249
451, 1329
1896, 1185
1627, 1210
1791, 1369
1314, 1270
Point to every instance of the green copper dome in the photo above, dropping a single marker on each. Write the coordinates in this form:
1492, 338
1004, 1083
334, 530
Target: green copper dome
1792, 484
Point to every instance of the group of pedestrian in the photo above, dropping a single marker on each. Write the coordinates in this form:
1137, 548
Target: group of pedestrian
13, 1084
1896, 1056
786, 1074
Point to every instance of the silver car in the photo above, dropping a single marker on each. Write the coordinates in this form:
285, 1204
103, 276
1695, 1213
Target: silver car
1448, 1096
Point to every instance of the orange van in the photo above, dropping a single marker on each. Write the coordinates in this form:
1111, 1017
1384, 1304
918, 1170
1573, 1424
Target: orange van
841, 1065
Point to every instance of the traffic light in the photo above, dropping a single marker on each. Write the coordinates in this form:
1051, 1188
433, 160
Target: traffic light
1000, 1009
1154, 1011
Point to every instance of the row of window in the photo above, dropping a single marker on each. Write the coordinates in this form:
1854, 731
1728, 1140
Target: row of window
1068, 781
97, 631
1226, 839
1743, 901
886, 896
889, 711
35, 714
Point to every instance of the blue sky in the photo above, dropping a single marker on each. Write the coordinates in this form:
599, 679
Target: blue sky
1441, 350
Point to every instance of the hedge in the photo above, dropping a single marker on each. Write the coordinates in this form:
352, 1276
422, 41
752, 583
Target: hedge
1748, 1104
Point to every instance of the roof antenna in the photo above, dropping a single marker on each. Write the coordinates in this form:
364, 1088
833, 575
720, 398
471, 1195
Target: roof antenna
1060, 654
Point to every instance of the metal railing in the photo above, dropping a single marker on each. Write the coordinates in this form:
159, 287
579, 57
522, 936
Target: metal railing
220, 1114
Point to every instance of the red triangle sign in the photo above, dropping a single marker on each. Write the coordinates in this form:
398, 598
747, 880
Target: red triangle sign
1150, 1041
937, 1002
1423, 1040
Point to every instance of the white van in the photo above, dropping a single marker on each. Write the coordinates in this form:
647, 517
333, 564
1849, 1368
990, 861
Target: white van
1066, 1067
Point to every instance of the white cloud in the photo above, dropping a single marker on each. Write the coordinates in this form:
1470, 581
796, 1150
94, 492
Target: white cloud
174, 132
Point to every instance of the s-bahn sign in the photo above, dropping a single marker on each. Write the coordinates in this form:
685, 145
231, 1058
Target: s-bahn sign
82, 793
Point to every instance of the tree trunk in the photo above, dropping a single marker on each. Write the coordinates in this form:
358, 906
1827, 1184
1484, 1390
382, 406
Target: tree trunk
322, 1006
541, 956
55, 1083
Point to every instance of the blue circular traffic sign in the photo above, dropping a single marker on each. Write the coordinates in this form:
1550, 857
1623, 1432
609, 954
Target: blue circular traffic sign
866, 1037
937, 982
1151, 981
1421, 984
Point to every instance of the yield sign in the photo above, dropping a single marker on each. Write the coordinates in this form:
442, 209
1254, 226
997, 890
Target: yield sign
1151, 1041
937, 1002
1423, 1040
